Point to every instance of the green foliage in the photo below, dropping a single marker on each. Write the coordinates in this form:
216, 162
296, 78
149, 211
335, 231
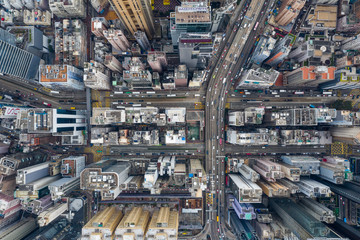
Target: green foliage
341, 105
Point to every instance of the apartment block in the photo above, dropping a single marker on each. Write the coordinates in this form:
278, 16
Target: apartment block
164, 224
70, 42
157, 60
99, 5
345, 78
136, 15
352, 43
137, 77
68, 8
289, 10
112, 63
181, 76
250, 115
96, 76
321, 17
117, 39
37, 17
305, 137
134, 224
142, 40
281, 50
260, 136
295, 117
98, 25
102, 224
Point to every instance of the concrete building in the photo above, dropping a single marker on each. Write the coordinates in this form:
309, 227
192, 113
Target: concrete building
142, 40
134, 224
55, 121
164, 224
106, 177
289, 10
305, 137
345, 78
37, 17
136, 15
250, 115
175, 115
61, 77
295, 117
96, 76
350, 135
112, 63
257, 79
352, 43
99, 5
107, 116
195, 49
198, 79
260, 136
263, 49
314, 51
98, 25
181, 76
151, 175
101, 49
157, 61
137, 77
348, 16
102, 225
197, 176
281, 50
68, 8
117, 39
72, 166
175, 137
309, 76
321, 17
221, 17
190, 17
168, 81
70, 42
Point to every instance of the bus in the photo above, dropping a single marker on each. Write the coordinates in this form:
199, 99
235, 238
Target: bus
256, 25
220, 141
327, 93
298, 93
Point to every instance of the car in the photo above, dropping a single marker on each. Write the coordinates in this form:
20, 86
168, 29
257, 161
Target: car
248, 154
46, 104
226, 92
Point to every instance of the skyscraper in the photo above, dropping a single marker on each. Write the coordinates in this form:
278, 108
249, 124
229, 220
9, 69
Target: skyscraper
15, 61
289, 10
136, 15
117, 39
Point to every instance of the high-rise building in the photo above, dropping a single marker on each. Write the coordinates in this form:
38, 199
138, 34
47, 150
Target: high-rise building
349, 135
164, 224
96, 76
181, 76
257, 79
263, 49
112, 63
68, 8
98, 25
72, 166
136, 15
105, 177
137, 77
315, 51
190, 17
15, 61
70, 42
352, 43
321, 17
310, 76
142, 40
133, 225
61, 76
195, 49
99, 5
117, 39
289, 10
157, 61
102, 225
281, 50
345, 78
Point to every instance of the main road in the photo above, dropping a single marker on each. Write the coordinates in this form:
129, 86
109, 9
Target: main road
227, 65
